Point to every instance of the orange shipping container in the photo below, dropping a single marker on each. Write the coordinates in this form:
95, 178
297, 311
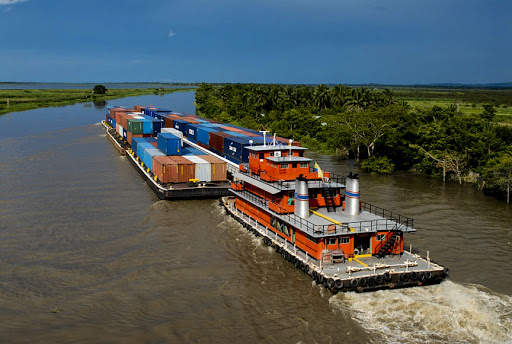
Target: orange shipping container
218, 168
165, 169
186, 168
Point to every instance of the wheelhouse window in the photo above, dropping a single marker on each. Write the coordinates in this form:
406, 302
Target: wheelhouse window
381, 237
285, 165
304, 164
331, 241
344, 240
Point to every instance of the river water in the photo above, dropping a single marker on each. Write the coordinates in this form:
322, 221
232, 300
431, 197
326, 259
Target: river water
82, 234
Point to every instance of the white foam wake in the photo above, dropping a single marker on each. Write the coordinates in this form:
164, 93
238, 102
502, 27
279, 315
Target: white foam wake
445, 313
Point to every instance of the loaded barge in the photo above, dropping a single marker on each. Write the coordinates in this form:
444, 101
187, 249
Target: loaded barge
314, 219
171, 167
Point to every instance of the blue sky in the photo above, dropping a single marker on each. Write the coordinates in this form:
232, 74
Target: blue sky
261, 41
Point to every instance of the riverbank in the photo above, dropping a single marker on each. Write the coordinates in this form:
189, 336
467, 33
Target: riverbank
14, 100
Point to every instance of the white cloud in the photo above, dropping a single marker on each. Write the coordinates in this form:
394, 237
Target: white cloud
171, 32
11, 2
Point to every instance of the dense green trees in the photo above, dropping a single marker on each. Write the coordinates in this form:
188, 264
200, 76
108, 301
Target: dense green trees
372, 127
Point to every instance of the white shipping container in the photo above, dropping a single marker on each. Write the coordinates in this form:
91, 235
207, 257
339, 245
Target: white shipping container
119, 129
202, 167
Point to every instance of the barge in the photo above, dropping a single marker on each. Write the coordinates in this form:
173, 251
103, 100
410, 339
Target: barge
171, 168
315, 220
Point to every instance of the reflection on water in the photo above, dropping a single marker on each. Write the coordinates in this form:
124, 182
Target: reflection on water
81, 231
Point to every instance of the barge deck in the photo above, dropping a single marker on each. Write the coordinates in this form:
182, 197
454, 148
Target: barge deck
361, 274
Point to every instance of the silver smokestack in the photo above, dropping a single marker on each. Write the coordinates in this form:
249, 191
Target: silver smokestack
352, 195
301, 197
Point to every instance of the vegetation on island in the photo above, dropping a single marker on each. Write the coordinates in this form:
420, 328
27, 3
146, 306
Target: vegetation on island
378, 129
13, 100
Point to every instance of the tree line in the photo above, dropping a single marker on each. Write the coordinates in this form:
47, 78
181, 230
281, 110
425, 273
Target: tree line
374, 128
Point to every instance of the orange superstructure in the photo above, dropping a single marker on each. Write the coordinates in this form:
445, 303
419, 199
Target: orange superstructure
318, 212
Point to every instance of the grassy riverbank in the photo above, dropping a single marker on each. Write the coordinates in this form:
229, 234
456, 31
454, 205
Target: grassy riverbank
467, 100
27, 99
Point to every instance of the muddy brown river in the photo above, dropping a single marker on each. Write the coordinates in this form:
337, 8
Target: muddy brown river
88, 254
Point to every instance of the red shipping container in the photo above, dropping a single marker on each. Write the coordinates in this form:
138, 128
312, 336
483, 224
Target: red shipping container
216, 141
218, 168
186, 168
165, 169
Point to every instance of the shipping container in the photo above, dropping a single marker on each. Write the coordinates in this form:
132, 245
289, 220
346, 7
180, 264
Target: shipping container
202, 168
148, 154
166, 169
218, 168
135, 126
186, 168
216, 141
157, 124
192, 151
180, 125
175, 132
203, 135
234, 147
169, 143
235, 134
136, 139
141, 146
191, 131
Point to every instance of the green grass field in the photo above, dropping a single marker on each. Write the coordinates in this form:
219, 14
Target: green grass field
20, 100
468, 101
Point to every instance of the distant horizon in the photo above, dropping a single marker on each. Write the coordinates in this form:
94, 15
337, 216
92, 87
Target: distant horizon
447, 84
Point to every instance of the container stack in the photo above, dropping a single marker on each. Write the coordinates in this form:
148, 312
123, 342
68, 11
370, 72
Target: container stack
157, 135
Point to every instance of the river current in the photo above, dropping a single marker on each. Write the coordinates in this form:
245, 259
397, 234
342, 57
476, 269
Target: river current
88, 254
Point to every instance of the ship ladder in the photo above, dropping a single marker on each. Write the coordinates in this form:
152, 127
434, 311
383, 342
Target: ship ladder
390, 244
329, 199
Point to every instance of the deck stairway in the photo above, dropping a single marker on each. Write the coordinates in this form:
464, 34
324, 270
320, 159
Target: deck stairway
389, 245
327, 194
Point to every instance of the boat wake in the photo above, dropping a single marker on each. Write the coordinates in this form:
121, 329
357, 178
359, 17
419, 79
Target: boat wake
445, 313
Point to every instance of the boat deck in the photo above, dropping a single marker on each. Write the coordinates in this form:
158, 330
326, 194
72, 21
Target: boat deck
362, 273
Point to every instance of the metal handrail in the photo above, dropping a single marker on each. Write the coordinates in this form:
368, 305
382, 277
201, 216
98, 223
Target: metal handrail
401, 219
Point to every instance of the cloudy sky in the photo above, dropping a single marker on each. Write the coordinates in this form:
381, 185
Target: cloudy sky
262, 41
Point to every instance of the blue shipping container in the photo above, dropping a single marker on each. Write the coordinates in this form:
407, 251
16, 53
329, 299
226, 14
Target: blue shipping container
192, 131
141, 146
169, 144
157, 124
235, 134
203, 135
136, 141
148, 154
234, 147
192, 151
181, 125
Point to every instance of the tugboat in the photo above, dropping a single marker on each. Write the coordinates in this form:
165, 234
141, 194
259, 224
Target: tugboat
316, 220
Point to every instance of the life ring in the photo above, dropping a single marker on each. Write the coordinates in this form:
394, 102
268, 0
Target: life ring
428, 275
338, 284
371, 280
379, 279
387, 276
354, 282
422, 277
414, 275
404, 278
